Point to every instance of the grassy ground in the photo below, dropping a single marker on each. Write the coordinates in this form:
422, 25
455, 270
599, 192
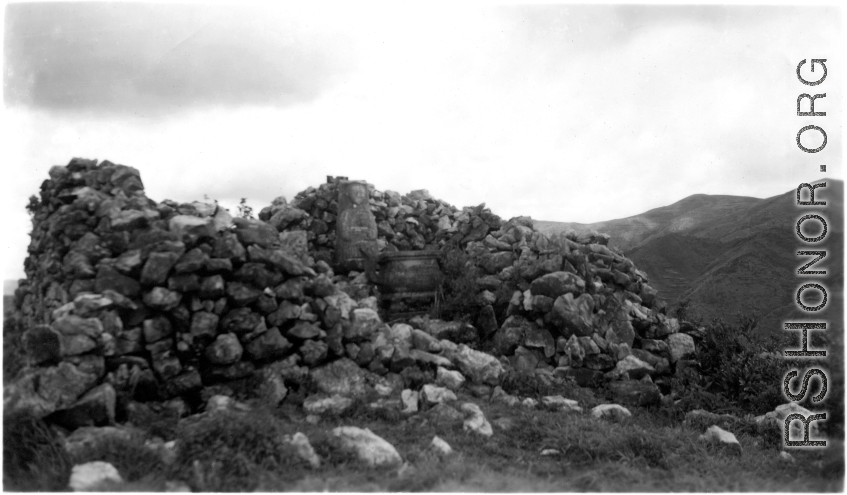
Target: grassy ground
651, 451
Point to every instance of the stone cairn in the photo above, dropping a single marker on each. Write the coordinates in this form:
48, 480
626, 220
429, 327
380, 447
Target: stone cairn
127, 300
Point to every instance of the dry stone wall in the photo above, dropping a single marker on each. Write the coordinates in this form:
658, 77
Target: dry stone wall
128, 299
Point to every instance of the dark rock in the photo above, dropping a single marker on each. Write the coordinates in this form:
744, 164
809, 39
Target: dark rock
541, 338
241, 294
240, 321
162, 299
226, 349
258, 275
286, 311
157, 267
227, 246
269, 344
279, 259
40, 391
156, 329
571, 315
635, 392
314, 352
191, 261
218, 265
454, 331
256, 232
493, 263
556, 284
293, 289
42, 344
303, 330
584, 377
109, 279
204, 324
212, 287
95, 408
188, 282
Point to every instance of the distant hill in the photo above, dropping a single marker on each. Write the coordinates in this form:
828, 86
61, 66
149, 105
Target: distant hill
730, 254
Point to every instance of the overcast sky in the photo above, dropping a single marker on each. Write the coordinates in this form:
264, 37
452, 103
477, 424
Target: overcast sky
568, 113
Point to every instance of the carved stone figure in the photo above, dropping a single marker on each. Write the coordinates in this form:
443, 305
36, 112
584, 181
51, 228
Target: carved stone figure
355, 228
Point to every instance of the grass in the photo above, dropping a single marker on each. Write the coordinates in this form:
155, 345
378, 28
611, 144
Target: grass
235, 451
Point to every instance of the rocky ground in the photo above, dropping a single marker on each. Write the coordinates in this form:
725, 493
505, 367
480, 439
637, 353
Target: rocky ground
176, 347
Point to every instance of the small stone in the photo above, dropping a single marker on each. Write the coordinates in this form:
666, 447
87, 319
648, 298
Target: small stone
370, 448
529, 402
613, 412
431, 395
475, 420
91, 476
450, 379
320, 404
714, 434
226, 349
560, 403
304, 449
440, 447
409, 399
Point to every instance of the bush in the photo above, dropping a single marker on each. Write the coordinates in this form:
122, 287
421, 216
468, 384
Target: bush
458, 296
739, 370
34, 457
231, 451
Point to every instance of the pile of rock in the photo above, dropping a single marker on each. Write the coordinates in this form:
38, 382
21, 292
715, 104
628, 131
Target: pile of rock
415, 221
127, 298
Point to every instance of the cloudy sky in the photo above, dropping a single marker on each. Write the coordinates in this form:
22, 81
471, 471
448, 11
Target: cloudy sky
560, 112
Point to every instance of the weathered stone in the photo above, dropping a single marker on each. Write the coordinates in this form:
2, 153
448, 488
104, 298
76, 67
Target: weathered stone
271, 387
556, 284
192, 261
451, 379
304, 449
341, 377
226, 349
475, 420
614, 412
241, 294
442, 414
714, 434
541, 338
777, 417
431, 395
454, 331
280, 260
634, 366
204, 324
95, 408
560, 403
269, 344
511, 334
93, 476
156, 329
573, 316
635, 392
40, 391
364, 323
303, 330
680, 345
370, 448
256, 232
157, 267
440, 447
321, 404
110, 279
477, 366
241, 321
212, 287
314, 352
424, 341
42, 344
409, 399
162, 299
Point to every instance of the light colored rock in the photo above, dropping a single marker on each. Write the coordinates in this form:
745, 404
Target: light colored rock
475, 420
634, 366
335, 404
341, 301
450, 379
614, 412
561, 403
714, 434
429, 358
786, 457
440, 447
477, 366
777, 419
432, 394
550, 452
91, 475
304, 449
369, 447
343, 377
680, 345
410, 401
529, 402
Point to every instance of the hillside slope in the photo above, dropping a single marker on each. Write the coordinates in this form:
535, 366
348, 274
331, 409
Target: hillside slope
730, 254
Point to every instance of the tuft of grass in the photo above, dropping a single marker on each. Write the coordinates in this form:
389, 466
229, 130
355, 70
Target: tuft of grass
230, 451
34, 457
133, 460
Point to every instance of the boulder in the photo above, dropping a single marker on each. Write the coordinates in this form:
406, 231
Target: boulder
40, 391
573, 316
556, 284
680, 345
341, 377
477, 366
451, 379
440, 447
368, 447
304, 449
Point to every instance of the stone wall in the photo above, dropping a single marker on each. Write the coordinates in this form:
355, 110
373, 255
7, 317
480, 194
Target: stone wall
132, 299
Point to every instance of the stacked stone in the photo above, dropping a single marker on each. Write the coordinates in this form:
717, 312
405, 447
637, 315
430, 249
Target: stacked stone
575, 307
415, 221
134, 299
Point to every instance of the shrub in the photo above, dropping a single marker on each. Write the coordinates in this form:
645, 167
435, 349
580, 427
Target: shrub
458, 296
34, 457
739, 371
230, 451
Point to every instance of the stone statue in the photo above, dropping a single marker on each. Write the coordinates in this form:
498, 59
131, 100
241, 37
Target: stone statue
355, 228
